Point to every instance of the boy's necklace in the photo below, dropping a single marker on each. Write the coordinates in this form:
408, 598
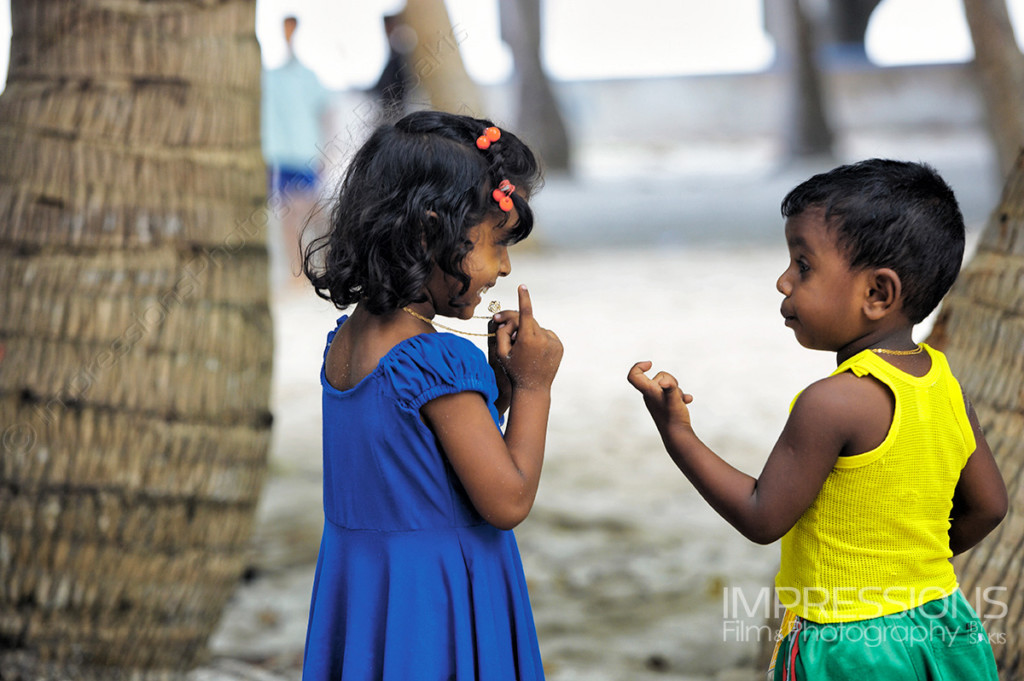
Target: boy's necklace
885, 351
493, 307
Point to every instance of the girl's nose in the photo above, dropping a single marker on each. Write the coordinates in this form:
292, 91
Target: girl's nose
505, 264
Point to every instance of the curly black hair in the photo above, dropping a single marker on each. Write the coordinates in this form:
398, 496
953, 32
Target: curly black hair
405, 204
894, 214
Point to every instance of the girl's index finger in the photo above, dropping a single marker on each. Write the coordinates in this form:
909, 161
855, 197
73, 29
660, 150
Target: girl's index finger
525, 306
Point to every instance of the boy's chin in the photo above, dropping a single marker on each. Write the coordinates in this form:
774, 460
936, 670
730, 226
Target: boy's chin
810, 344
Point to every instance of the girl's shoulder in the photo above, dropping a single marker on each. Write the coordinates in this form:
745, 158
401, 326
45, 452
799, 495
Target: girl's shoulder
430, 349
429, 365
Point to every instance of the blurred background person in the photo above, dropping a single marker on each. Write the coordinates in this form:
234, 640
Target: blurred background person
294, 111
391, 89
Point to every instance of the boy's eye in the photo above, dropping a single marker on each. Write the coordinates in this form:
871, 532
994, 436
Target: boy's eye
802, 266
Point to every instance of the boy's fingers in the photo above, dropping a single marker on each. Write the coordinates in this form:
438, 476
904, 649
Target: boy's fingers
666, 382
636, 376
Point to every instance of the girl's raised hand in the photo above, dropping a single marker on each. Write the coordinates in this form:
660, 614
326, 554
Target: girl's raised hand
500, 377
666, 402
528, 353
501, 471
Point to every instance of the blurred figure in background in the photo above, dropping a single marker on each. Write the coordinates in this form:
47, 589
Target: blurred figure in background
294, 109
391, 89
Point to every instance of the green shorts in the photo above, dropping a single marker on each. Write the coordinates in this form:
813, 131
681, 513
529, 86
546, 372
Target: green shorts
939, 641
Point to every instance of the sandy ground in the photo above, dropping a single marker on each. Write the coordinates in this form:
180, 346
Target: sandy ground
631, 575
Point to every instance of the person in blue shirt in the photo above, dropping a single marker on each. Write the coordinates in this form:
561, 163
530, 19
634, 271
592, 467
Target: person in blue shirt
294, 107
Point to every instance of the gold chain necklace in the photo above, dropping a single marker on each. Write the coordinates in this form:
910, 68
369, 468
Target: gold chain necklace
493, 307
885, 351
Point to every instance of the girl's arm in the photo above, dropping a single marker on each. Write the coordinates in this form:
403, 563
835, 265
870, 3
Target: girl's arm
501, 474
765, 508
980, 501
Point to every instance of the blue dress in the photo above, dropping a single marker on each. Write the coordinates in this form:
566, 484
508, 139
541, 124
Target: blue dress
411, 583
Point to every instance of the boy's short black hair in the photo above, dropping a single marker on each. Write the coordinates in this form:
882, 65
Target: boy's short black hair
894, 214
406, 202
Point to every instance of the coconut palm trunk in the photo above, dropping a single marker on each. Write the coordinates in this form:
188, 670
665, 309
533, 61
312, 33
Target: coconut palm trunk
435, 65
539, 120
135, 336
981, 329
806, 129
999, 65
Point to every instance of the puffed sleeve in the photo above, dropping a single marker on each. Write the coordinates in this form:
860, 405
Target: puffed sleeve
434, 364
332, 333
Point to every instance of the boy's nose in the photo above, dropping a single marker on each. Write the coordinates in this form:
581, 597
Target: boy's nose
783, 286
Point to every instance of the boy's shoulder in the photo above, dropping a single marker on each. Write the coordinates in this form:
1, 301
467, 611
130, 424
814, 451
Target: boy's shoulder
842, 392
850, 413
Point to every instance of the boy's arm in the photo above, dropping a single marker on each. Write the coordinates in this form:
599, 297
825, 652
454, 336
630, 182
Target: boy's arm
980, 501
765, 508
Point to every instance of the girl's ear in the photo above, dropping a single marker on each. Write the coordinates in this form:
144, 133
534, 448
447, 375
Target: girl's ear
885, 291
431, 217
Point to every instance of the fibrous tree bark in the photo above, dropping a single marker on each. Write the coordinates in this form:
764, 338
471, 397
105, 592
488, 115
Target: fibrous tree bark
135, 335
980, 327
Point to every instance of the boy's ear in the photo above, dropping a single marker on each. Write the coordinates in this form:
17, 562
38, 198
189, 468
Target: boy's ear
885, 291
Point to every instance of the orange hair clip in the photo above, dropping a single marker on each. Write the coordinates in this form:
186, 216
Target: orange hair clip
491, 134
503, 195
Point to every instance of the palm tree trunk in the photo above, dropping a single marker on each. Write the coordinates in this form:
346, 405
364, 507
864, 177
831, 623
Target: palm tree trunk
436, 63
981, 329
1000, 65
135, 335
807, 132
848, 20
539, 121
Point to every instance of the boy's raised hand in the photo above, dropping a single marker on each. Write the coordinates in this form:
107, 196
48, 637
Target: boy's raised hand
666, 402
528, 353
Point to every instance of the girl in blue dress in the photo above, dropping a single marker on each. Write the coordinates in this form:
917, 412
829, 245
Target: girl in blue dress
419, 576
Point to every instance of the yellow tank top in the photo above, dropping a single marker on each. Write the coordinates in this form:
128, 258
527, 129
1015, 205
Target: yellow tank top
876, 539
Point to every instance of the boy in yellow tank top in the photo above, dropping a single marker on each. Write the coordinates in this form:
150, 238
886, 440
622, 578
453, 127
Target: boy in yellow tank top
882, 473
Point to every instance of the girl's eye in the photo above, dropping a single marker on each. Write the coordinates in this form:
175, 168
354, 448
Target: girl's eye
802, 266
505, 238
